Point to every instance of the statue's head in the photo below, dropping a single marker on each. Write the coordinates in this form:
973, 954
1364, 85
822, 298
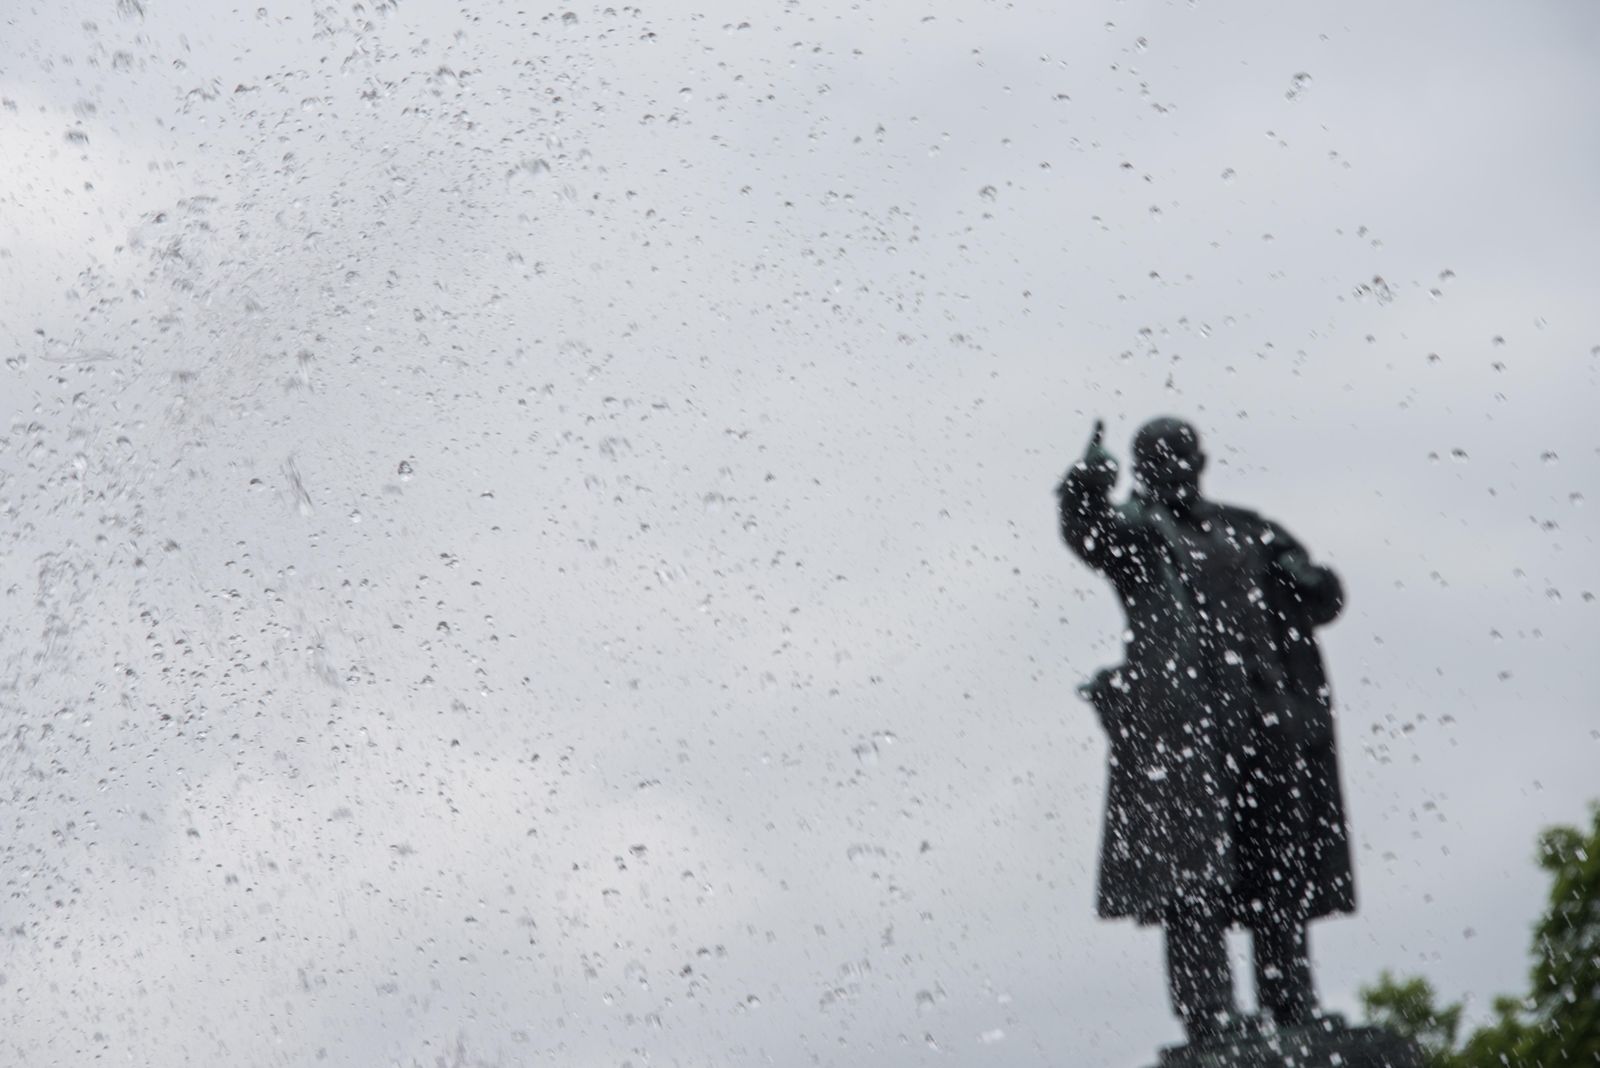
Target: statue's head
1167, 460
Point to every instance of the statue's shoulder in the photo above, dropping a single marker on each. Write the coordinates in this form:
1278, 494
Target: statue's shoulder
1233, 513
1245, 521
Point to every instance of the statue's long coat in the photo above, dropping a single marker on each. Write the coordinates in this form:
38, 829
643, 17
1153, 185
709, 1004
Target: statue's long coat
1224, 785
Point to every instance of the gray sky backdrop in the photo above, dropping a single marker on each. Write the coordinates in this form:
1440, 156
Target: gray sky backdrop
527, 533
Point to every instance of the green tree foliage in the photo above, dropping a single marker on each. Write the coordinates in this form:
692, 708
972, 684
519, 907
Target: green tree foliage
1557, 1024
1409, 1007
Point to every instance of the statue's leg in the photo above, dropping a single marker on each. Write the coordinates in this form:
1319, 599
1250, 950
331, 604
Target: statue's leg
1283, 970
1198, 976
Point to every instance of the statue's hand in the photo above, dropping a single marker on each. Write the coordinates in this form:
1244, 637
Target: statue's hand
1316, 586
1098, 468
1305, 576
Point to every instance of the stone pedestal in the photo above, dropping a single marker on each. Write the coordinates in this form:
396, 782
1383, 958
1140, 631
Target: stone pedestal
1327, 1043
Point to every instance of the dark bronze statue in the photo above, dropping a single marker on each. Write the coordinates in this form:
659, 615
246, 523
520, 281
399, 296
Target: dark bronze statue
1224, 806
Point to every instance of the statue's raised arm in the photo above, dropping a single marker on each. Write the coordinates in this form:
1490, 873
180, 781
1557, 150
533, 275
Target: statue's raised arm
1090, 524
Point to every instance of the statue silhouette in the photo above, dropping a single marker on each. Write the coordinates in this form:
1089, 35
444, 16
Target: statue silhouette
1224, 807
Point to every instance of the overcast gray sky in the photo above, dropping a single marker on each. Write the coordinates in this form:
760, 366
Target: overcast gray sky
528, 532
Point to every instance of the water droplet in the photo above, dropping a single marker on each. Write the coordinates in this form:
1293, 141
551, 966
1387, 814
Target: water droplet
529, 169
988, 192
862, 852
